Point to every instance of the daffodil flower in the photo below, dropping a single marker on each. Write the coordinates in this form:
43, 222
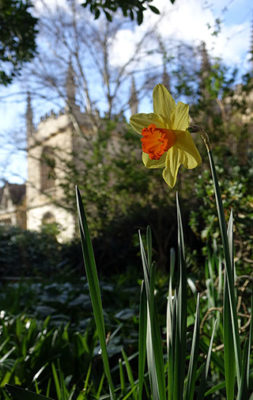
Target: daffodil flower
166, 143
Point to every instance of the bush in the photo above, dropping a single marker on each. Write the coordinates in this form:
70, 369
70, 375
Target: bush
236, 182
26, 253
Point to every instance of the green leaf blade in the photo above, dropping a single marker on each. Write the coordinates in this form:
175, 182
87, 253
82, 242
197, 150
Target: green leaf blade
95, 294
18, 393
191, 376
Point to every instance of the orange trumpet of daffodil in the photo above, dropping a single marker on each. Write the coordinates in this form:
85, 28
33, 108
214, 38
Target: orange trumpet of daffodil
166, 143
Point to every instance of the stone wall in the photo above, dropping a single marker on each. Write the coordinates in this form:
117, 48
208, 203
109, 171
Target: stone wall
55, 133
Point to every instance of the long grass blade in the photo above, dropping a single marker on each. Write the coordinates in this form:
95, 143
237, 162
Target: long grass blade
95, 294
249, 347
100, 387
149, 344
243, 390
191, 376
229, 269
56, 382
154, 342
215, 388
87, 378
170, 302
130, 375
203, 381
245, 381
169, 327
229, 354
181, 314
208, 359
48, 387
122, 378
129, 394
149, 245
18, 393
230, 234
142, 340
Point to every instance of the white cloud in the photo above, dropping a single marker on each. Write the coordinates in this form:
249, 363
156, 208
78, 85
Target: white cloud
188, 21
123, 46
185, 20
41, 7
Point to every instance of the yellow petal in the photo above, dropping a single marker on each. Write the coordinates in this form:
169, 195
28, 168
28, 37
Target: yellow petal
183, 152
163, 102
191, 157
153, 163
181, 117
173, 160
140, 121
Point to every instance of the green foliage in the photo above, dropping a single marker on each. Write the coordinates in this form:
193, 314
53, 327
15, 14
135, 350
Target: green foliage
218, 103
69, 331
119, 198
118, 195
50, 229
197, 381
219, 317
133, 9
105, 171
66, 302
17, 38
112, 184
236, 182
29, 348
26, 253
39, 254
69, 302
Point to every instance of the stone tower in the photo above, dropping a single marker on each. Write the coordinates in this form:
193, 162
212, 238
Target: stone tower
29, 117
50, 147
205, 63
166, 78
163, 52
205, 67
70, 87
133, 100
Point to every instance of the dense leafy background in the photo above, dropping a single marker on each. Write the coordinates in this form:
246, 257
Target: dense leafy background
17, 38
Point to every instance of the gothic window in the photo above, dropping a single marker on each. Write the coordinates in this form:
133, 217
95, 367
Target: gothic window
48, 218
5, 221
5, 201
49, 224
47, 168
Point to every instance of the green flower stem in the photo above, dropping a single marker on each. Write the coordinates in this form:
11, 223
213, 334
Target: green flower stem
228, 264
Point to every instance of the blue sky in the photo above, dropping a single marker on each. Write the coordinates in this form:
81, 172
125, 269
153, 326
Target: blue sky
186, 20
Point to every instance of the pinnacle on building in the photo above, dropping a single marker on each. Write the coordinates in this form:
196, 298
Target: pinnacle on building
133, 100
70, 87
29, 117
205, 69
166, 78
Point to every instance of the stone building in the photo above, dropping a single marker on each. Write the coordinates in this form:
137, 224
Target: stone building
49, 147
13, 205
